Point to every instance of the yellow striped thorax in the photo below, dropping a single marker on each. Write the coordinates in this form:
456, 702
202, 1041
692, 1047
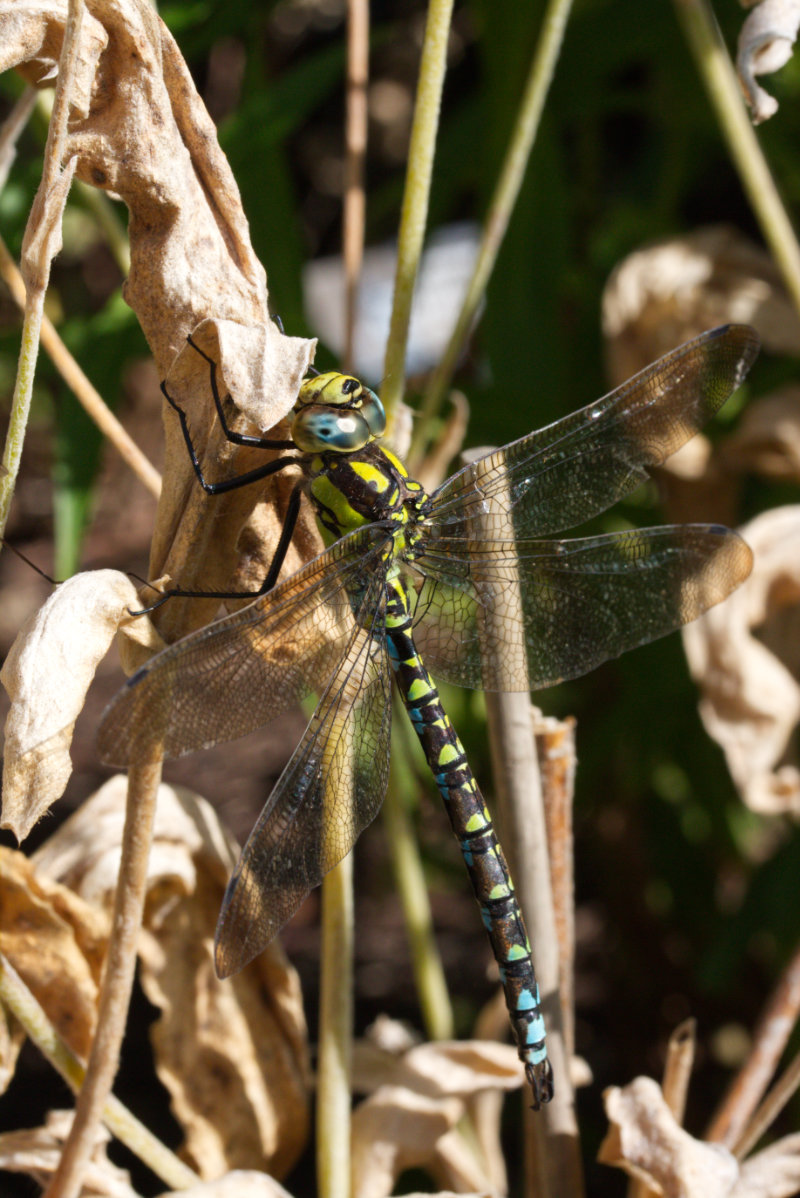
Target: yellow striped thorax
336, 413
367, 485
352, 479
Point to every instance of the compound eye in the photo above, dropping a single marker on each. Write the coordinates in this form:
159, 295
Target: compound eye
320, 428
373, 412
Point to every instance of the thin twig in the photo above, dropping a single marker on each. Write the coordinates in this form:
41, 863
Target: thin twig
501, 206
334, 1081
335, 1032
555, 749
40, 244
16, 996
722, 84
553, 1165
355, 151
674, 1087
90, 399
414, 214
775, 1025
13, 125
143, 781
678, 1067
782, 1092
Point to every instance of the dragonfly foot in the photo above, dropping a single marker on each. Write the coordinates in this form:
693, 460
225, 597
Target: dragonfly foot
540, 1080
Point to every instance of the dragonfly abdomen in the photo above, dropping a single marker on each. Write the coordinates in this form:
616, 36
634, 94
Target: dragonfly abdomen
472, 825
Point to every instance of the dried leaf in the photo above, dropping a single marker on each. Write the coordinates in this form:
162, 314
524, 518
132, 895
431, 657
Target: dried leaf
772, 1173
46, 675
37, 1152
767, 440
56, 942
239, 1184
745, 657
443, 1068
418, 1094
395, 1130
145, 136
665, 293
765, 45
42, 241
12, 1037
232, 1054
645, 1140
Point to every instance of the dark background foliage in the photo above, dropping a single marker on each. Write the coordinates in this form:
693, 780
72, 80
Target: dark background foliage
686, 904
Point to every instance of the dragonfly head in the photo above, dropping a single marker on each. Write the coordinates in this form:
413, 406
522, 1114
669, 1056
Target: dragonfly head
336, 413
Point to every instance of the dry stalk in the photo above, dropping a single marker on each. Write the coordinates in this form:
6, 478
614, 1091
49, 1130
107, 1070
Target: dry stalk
89, 398
777, 1021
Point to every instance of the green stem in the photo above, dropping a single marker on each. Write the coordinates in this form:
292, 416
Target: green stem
20, 406
16, 996
335, 1032
501, 206
414, 215
716, 70
437, 1011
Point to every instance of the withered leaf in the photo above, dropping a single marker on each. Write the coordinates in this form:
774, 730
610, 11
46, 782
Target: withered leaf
233, 1054
56, 942
46, 675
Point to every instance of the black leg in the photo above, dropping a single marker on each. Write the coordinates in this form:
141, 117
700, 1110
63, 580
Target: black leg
236, 438
240, 480
287, 532
278, 558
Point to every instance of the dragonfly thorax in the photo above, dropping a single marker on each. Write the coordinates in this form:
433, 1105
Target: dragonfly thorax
371, 484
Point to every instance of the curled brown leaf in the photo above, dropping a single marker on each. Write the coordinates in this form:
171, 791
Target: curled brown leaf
56, 942
645, 1140
233, 1055
766, 42
46, 675
745, 655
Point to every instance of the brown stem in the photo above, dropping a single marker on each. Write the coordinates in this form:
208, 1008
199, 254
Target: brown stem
772, 1032
143, 781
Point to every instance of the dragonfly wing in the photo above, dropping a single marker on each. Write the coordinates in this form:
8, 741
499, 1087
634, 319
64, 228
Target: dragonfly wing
562, 475
243, 670
509, 615
330, 790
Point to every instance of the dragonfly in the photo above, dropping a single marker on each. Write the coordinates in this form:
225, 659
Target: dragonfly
470, 583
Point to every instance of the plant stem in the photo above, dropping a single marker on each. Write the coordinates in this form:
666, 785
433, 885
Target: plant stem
120, 964
92, 402
335, 1032
717, 72
437, 1011
355, 152
16, 996
414, 214
501, 206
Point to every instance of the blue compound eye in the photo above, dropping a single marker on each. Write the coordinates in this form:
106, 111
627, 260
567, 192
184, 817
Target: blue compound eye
318, 428
373, 412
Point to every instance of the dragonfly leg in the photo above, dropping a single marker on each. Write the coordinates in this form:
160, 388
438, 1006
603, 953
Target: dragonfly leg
230, 434
278, 558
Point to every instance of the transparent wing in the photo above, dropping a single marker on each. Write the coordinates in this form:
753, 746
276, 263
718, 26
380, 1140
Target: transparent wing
562, 475
509, 615
243, 670
330, 790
